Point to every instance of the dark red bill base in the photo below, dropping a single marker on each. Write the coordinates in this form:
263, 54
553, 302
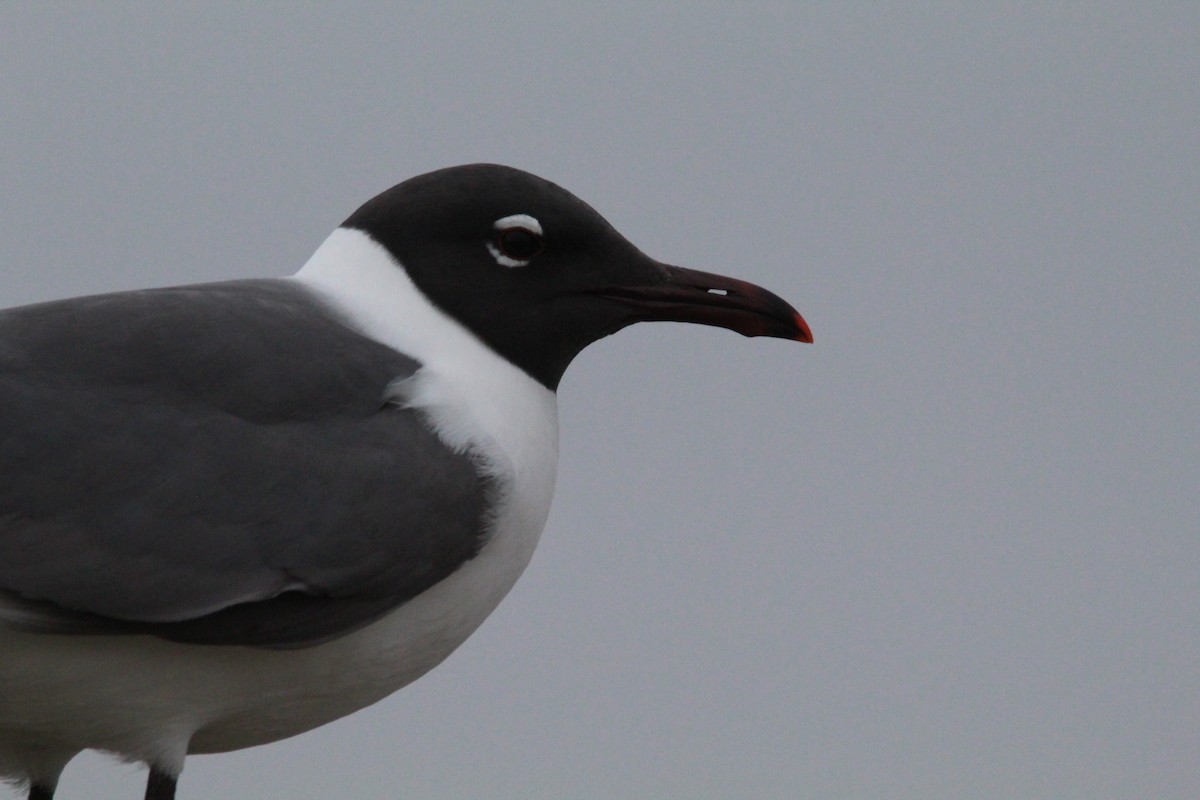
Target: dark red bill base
689, 295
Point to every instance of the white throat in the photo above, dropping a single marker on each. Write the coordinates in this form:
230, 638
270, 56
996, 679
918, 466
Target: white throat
474, 396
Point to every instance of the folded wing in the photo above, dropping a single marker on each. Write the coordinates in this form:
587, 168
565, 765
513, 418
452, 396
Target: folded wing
217, 464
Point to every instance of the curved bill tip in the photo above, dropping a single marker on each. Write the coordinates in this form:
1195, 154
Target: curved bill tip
803, 332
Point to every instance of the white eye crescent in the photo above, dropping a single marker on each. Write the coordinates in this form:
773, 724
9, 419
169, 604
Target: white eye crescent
518, 239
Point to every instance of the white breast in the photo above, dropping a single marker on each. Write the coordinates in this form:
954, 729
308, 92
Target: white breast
155, 700
475, 400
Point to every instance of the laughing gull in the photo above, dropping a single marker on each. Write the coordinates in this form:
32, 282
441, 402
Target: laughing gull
233, 512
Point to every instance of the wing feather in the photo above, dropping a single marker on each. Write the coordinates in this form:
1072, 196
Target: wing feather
217, 464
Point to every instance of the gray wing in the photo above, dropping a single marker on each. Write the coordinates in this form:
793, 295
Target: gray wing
216, 464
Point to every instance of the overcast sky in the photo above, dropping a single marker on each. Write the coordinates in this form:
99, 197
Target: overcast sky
951, 550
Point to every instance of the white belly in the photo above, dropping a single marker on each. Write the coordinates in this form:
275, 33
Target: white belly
144, 697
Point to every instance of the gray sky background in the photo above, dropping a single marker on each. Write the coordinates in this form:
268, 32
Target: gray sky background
951, 550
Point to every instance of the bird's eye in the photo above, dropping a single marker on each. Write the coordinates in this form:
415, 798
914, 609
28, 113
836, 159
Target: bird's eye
518, 240
519, 244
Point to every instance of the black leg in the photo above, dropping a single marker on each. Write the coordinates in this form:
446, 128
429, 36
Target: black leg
160, 785
40, 791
